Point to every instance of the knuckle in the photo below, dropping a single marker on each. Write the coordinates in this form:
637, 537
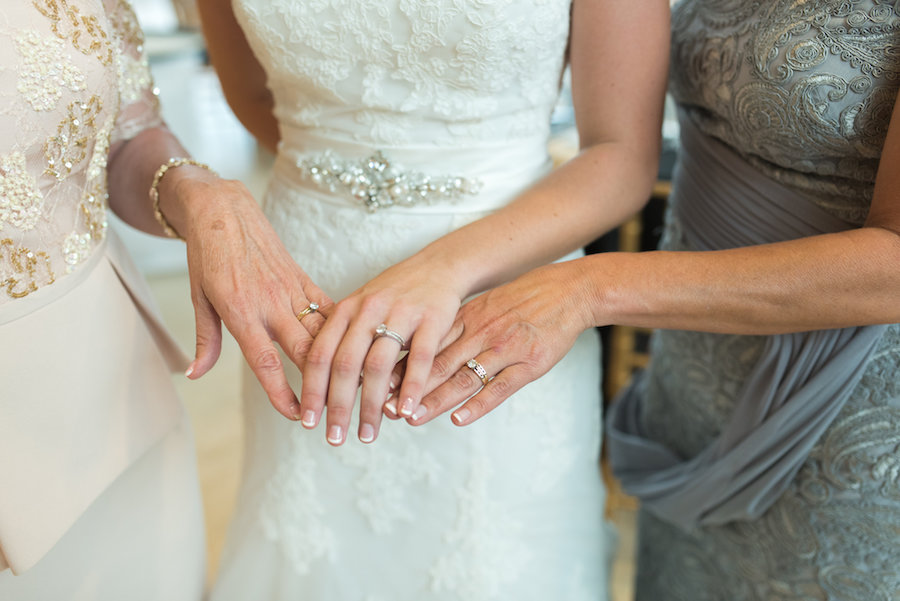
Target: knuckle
500, 388
462, 381
377, 364
343, 364
317, 357
441, 367
300, 349
338, 413
266, 360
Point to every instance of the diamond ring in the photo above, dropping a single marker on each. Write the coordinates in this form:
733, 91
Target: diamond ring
310, 308
479, 370
382, 331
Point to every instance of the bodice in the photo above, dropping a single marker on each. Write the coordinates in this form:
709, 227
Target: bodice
411, 74
802, 89
73, 80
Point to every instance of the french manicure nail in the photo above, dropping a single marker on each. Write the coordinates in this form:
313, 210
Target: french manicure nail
391, 407
421, 410
309, 418
407, 407
189, 371
367, 433
335, 434
461, 415
392, 385
295, 412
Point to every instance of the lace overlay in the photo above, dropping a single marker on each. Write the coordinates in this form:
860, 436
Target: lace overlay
74, 80
804, 90
470, 68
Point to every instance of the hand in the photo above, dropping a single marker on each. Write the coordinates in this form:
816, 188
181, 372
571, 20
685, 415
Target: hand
243, 276
418, 303
517, 332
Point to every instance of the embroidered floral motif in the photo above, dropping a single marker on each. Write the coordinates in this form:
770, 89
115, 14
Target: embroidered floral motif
21, 203
68, 147
84, 32
46, 71
22, 271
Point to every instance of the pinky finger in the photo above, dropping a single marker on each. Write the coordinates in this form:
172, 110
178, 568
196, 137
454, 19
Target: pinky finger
497, 390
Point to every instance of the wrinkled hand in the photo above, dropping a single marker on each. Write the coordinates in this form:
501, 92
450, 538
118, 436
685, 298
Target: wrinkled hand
242, 275
416, 302
517, 332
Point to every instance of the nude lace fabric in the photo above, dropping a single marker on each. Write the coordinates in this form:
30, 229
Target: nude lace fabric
74, 80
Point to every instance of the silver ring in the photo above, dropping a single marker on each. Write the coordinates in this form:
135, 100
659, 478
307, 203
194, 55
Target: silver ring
383, 330
310, 308
479, 370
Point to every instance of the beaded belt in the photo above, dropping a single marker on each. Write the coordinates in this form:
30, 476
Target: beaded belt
376, 183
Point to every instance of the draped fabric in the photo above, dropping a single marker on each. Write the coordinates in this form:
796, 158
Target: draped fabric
794, 392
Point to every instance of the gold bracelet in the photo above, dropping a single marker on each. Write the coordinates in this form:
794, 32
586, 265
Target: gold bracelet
154, 190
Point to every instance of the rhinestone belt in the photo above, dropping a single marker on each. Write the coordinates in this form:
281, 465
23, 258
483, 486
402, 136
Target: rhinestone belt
376, 183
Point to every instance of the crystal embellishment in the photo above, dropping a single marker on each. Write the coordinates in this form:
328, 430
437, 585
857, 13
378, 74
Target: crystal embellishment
376, 183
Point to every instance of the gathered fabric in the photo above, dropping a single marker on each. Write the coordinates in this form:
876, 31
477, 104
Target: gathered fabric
796, 389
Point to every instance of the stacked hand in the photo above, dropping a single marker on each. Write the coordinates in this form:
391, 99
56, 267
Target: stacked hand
504, 339
243, 276
408, 307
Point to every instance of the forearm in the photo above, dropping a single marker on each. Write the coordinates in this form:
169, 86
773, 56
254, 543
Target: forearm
821, 282
585, 197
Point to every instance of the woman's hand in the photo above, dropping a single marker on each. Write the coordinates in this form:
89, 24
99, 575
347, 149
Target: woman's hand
242, 275
516, 332
417, 302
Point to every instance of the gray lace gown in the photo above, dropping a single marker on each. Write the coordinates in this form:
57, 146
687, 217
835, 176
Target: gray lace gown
803, 91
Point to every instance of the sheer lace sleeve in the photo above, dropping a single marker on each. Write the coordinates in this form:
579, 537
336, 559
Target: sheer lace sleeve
139, 107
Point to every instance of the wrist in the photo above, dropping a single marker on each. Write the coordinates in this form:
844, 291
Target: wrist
164, 192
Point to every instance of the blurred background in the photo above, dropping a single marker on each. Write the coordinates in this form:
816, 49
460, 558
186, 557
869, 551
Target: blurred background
195, 109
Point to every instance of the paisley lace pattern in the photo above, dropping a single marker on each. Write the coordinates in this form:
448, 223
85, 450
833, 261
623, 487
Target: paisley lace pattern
802, 89
805, 90
76, 80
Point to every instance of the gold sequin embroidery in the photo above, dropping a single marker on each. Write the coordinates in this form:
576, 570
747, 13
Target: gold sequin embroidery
84, 32
94, 201
21, 202
68, 147
23, 271
46, 70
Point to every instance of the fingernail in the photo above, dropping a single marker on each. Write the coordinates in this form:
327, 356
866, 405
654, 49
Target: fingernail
421, 410
391, 407
367, 433
295, 412
407, 407
335, 435
392, 385
309, 418
461, 415
189, 370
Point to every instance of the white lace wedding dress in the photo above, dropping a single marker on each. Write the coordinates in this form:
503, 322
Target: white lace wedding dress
458, 92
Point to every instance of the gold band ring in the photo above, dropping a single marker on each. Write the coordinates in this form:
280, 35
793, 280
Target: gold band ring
310, 308
479, 370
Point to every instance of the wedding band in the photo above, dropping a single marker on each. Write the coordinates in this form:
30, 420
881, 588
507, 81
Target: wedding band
383, 330
310, 308
478, 368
